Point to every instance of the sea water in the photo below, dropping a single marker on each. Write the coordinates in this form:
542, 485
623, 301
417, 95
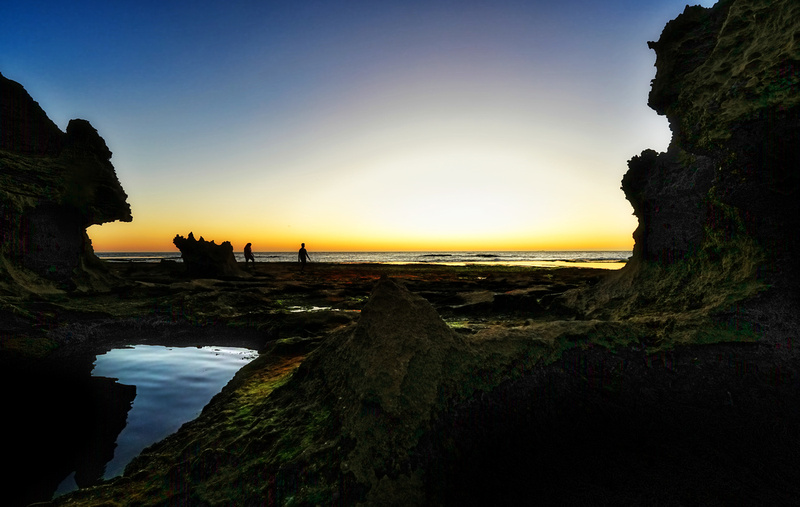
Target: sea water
586, 258
173, 384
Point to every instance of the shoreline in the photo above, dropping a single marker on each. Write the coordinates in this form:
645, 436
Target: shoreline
606, 259
256, 302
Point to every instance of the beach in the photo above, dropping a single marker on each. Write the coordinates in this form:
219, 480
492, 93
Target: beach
268, 291
610, 400
665, 373
274, 307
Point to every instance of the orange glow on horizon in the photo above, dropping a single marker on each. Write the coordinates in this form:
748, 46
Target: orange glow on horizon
115, 238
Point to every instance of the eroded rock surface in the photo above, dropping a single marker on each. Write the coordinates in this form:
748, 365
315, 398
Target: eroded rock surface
719, 213
387, 375
53, 185
206, 258
728, 81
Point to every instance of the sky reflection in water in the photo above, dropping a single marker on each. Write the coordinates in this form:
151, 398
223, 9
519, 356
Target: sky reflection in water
173, 384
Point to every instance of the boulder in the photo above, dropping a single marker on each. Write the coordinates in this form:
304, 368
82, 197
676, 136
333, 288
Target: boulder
387, 375
207, 259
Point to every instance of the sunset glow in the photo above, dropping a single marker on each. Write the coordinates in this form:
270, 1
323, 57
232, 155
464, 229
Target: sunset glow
355, 125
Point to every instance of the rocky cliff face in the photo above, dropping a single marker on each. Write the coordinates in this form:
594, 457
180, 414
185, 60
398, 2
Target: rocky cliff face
53, 185
728, 81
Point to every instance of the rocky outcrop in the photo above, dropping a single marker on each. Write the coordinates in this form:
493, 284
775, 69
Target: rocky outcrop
670, 203
24, 127
53, 185
728, 81
720, 210
387, 376
206, 258
723, 67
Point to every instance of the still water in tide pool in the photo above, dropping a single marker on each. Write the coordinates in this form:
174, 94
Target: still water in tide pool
173, 384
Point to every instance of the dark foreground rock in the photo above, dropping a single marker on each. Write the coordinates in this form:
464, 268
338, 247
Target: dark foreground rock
714, 425
388, 375
63, 424
398, 409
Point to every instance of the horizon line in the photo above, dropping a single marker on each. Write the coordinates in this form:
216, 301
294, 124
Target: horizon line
400, 250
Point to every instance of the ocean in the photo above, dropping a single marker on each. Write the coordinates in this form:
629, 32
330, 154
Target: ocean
613, 259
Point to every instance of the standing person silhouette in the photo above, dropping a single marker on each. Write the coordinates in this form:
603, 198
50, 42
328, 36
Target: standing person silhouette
248, 254
302, 255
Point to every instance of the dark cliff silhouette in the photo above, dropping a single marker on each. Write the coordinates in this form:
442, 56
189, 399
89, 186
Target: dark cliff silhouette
53, 185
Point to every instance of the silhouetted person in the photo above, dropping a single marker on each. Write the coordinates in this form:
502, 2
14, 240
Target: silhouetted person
248, 254
302, 255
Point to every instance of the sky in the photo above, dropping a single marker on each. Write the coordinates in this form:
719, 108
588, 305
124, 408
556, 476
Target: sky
354, 125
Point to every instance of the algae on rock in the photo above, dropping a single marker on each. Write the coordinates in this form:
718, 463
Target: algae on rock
718, 212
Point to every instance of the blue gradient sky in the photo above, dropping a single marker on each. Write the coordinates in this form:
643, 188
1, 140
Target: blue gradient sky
354, 125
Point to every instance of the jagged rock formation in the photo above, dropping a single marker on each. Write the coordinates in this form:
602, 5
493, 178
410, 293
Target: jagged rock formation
719, 213
24, 127
206, 258
53, 185
728, 80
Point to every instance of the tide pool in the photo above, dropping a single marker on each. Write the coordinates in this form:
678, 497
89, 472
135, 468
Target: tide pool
173, 384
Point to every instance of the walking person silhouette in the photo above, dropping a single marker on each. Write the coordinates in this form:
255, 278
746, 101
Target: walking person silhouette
248, 254
302, 255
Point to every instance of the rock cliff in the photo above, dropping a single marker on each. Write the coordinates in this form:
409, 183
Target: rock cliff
53, 185
721, 207
728, 81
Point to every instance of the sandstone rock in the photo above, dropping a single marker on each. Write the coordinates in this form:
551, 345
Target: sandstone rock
718, 67
720, 208
53, 185
207, 259
387, 374
728, 80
